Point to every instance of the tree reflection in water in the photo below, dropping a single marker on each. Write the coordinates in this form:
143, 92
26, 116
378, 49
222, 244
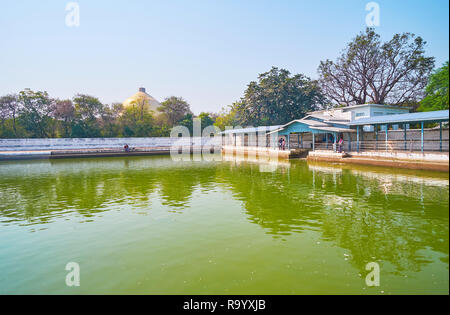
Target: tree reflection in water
374, 213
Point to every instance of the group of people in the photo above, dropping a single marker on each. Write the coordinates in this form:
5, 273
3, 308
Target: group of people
282, 144
339, 145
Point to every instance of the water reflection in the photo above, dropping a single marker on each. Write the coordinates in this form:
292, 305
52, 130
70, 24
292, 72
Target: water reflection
374, 213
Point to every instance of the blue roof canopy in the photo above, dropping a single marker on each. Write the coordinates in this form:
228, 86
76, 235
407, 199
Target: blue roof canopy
434, 116
251, 129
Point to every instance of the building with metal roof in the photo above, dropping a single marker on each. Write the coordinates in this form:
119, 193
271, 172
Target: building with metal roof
353, 123
434, 116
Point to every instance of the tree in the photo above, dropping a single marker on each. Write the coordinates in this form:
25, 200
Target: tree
228, 117
109, 119
64, 111
206, 119
174, 109
142, 105
278, 97
369, 71
87, 107
35, 110
188, 122
87, 111
437, 90
136, 123
9, 108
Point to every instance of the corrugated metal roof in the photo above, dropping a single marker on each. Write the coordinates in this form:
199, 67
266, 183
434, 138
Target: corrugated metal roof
303, 121
326, 118
251, 129
435, 116
311, 122
333, 129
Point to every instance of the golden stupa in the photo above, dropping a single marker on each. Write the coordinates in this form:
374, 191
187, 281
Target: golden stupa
143, 99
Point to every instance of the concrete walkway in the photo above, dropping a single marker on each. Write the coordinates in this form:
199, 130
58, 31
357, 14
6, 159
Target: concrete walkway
54, 154
435, 161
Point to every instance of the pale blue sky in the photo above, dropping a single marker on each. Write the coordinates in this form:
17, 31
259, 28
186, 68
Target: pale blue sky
203, 50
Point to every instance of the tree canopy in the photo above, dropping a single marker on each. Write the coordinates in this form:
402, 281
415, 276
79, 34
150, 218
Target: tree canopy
437, 91
35, 113
9, 108
228, 116
174, 109
370, 71
278, 97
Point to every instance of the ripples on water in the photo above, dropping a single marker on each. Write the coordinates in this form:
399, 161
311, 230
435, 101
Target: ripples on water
298, 219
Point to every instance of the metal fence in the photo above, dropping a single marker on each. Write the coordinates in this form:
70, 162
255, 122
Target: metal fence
411, 145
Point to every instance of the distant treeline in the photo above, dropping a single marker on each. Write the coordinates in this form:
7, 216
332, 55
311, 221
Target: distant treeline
34, 114
368, 70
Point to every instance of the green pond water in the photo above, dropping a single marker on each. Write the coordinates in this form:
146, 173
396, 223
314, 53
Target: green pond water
150, 225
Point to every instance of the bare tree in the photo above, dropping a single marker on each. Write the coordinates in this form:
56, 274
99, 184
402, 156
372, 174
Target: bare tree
369, 71
63, 110
174, 109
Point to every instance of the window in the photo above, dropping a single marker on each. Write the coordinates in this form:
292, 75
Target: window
360, 114
378, 113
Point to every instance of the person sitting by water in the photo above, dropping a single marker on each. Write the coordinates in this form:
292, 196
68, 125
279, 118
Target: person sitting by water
126, 148
280, 143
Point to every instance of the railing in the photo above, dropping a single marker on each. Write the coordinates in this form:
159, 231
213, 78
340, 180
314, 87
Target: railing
390, 146
368, 141
324, 146
401, 145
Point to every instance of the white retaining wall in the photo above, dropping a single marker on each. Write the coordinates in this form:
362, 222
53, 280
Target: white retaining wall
414, 156
100, 143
